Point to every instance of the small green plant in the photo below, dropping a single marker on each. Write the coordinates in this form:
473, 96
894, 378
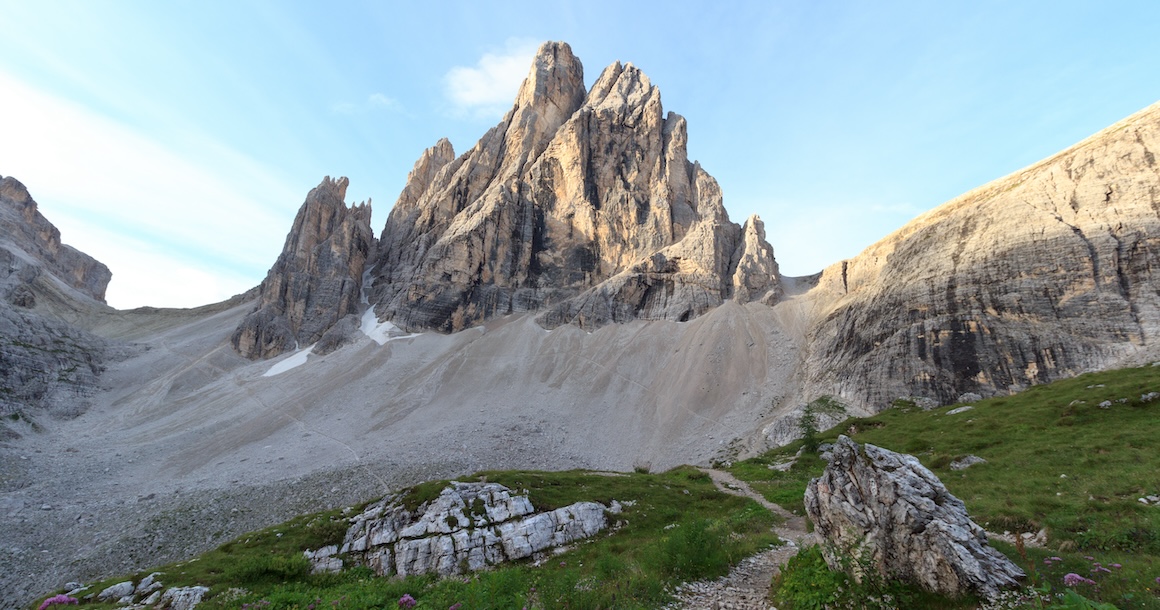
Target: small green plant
808, 424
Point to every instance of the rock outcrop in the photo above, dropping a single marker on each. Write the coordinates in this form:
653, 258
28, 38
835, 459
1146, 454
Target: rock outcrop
46, 363
317, 280
1044, 274
884, 511
582, 206
23, 226
468, 527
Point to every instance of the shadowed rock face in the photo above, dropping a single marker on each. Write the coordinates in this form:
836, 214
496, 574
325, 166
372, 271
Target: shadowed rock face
22, 223
581, 205
317, 279
1041, 275
46, 364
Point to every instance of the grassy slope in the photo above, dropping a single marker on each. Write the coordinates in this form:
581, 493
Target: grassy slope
678, 528
1055, 460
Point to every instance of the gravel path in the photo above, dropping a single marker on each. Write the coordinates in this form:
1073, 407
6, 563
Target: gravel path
746, 587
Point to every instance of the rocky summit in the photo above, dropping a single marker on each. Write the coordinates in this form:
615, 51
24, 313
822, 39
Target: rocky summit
317, 280
580, 205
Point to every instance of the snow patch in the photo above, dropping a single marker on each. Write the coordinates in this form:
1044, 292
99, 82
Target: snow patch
381, 332
295, 360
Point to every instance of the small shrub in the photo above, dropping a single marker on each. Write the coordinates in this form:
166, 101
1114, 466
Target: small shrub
269, 569
694, 551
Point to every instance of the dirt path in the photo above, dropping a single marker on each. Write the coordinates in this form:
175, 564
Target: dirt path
746, 587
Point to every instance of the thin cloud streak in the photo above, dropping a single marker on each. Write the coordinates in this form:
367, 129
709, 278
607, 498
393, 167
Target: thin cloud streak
487, 90
83, 166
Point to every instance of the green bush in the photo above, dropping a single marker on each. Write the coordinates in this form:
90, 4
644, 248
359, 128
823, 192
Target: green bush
270, 569
694, 550
806, 583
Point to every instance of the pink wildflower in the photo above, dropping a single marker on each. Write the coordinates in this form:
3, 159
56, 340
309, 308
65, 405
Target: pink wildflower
406, 601
57, 599
1072, 579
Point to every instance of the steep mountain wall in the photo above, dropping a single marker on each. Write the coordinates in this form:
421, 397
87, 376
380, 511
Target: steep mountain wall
317, 280
1044, 274
46, 363
580, 205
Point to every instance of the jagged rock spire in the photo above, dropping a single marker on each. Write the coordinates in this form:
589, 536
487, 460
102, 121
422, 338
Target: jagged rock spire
582, 206
317, 279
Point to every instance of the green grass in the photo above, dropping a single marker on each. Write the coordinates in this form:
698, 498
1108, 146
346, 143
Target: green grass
675, 526
1055, 460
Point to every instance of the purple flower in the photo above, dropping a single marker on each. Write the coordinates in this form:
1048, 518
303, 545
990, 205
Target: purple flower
1072, 579
1117, 566
406, 601
1100, 568
456, 606
57, 599
1056, 558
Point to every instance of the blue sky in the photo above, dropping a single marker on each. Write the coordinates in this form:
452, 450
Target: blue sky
175, 140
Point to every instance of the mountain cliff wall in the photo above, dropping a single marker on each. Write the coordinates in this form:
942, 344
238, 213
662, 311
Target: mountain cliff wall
1043, 274
582, 206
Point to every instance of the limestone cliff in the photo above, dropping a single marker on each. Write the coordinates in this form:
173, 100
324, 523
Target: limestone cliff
1043, 274
580, 205
22, 224
317, 279
46, 363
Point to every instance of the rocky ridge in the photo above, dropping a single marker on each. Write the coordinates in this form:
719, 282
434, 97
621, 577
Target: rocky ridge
317, 280
1044, 274
46, 363
580, 205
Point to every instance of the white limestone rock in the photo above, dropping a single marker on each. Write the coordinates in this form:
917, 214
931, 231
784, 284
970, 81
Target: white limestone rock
467, 527
884, 511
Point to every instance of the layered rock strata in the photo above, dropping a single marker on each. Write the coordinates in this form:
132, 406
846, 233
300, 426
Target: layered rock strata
46, 363
582, 205
884, 511
1041, 275
468, 527
317, 280
22, 225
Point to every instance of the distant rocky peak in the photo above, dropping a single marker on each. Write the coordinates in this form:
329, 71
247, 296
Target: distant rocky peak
554, 86
422, 176
584, 206
316, 281
623, 87
549, 96
22, 223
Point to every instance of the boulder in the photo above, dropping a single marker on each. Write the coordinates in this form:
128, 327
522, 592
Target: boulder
467, 527
882, 511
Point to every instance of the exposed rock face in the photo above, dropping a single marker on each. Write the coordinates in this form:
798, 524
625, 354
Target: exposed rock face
1043, 274
885, 511
317, 279
469, 526
45, 363
583, 206
23, 226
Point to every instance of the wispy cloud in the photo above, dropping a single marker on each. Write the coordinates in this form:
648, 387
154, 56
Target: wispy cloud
374, 101
489, 88
163, 220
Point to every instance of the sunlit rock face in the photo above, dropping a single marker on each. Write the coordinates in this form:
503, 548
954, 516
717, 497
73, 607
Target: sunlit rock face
580, 205
1044, 274
317, 280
